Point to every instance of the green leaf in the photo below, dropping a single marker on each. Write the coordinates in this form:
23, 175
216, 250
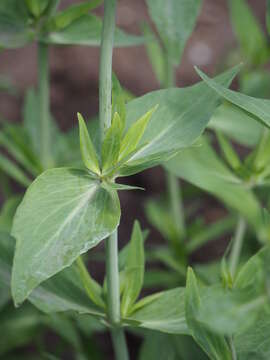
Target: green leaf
7, 212
62, 292
14, 29
258, 108
175, 21
181, 117
66, 17
238, 125
135, 133
121, 187
155, 54
93, 289
12, 170
118, 102
214, 345
228, 151
88, 151
111, 144
201, 167
164, 312
37, 7
73, 213
248, 32
134, 270
268, 15
87, 31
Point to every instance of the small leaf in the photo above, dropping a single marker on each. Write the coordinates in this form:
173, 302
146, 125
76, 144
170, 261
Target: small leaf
228, 151
135, 133
92, 288
111, 144
72, 213
120, 187
134, 270
12, 170
118, 102
163, 312
37, 7
64, 18
214, 345
88, 151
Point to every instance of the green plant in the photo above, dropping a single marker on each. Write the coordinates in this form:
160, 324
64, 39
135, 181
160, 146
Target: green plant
66, 211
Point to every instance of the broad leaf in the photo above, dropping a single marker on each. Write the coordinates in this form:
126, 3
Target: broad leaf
249, 33
164, 312
175, 20
201, 167
87, 31
179, 120
258, 108
214, 345
134, 270
64, 213
63, 292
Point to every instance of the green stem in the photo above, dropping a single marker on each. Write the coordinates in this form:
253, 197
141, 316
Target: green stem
105, 109
173, 185
44, 104
237, 245
234, 355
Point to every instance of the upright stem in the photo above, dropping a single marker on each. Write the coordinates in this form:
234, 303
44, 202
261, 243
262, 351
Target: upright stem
237, 245
173, 184
44, 104
105, 92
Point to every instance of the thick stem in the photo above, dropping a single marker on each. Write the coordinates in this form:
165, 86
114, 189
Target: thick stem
173, 185
237, 245
105, 92
44, 105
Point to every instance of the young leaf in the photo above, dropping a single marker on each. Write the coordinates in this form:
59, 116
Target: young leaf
111, 143
92, 288
175, 20
228, 151
88, 151
248, 32
214, 345
118, 102
259, 109
73, 213
163, 312
134, 270
64, 18
135, 133
37, 7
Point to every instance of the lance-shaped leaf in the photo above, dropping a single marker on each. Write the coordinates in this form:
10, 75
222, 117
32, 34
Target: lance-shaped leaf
87, 31
179, 120
201, 166
88, 151
37, 7
134, 270
118, 101
163, 312
228, 151
63, 292
135, 133
111, 143
249, 33
214, 345
63, 214
175, 20
72, 13
259, 109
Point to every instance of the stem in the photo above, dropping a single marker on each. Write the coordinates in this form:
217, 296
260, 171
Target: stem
173, 185
237, 245
44, 104
234, 355
105, 109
